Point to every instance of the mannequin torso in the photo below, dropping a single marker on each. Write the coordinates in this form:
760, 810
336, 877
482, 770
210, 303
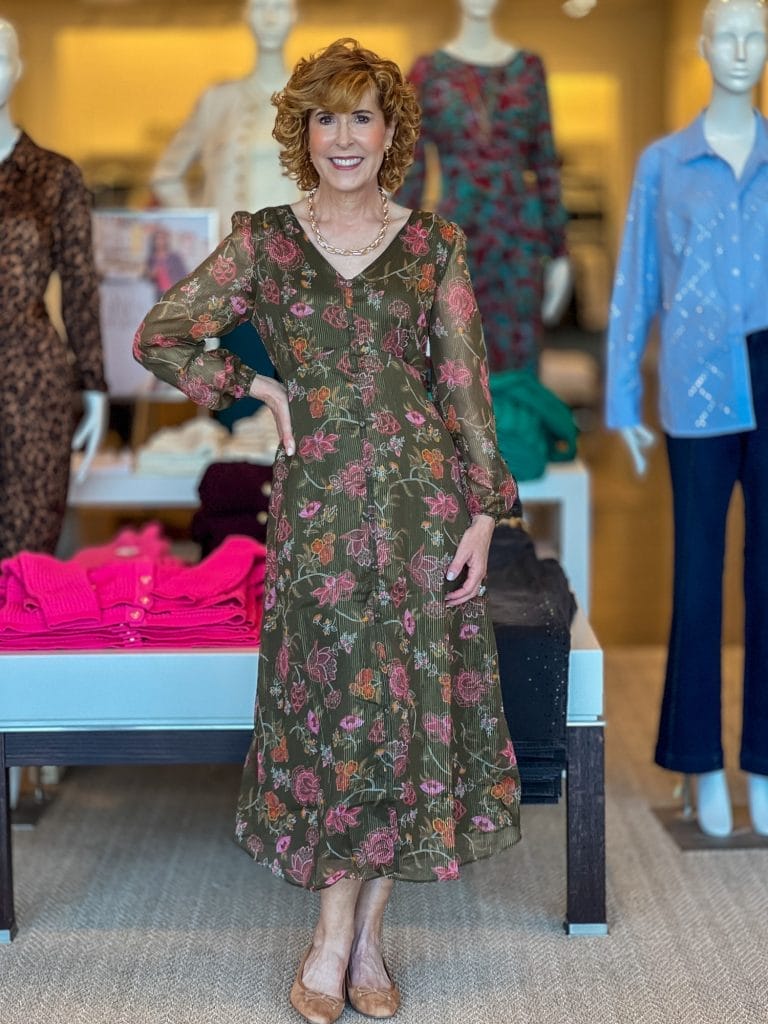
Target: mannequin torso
230, 131
45, 191
486, 114
692, 257
733, 43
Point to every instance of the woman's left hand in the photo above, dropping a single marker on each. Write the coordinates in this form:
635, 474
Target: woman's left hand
472, 552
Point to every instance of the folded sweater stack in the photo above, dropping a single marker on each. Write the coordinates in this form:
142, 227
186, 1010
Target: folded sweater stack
133, 593
186, 450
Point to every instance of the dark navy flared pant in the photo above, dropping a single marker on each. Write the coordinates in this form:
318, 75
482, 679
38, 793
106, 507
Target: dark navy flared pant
704, 471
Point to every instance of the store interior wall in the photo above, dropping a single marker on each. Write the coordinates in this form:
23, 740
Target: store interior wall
108, 83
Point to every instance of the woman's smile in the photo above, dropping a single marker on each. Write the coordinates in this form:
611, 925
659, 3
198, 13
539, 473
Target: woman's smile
343, 162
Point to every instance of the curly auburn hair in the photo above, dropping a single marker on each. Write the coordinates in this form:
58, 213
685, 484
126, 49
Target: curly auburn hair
335, 79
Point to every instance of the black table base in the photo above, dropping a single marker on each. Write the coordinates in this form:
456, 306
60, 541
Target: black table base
585, 912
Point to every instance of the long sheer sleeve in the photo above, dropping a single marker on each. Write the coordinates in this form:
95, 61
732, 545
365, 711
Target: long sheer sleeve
213, 299
460, 386
545, 165
73, 259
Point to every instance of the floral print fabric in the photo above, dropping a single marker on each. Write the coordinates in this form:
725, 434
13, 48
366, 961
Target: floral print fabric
501, 182
380, 744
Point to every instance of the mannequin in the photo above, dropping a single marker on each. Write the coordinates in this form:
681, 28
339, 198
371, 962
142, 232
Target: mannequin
230, 130
230, 133
714, 174
500, 176
45, 219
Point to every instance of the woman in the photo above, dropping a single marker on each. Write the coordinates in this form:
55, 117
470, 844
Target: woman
380, 749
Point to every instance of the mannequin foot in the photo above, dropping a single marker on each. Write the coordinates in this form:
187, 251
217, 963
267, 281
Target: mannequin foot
758, 803
713, 804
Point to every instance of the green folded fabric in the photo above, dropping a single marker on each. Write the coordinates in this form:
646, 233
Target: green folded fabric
533, 425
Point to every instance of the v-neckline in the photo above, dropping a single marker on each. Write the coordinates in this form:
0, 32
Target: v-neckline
327, 262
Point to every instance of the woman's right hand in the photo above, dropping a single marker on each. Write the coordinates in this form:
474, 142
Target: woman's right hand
274, 395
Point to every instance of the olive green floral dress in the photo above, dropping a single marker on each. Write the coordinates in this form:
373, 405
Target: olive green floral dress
380, 744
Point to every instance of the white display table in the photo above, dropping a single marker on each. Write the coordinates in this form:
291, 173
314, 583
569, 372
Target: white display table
196, 706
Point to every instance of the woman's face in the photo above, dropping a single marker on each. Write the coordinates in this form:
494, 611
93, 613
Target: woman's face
735, 46
347, 150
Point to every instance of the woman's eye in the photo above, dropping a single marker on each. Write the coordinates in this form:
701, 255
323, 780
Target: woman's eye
363, 118
325, 118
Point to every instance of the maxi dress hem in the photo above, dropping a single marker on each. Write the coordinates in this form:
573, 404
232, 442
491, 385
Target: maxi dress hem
503, 839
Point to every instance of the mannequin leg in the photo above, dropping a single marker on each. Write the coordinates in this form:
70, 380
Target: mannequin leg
713, 804
703, 472
754, 736
754, 480
758, 803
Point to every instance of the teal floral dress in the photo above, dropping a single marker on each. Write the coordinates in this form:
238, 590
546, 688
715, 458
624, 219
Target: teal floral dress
380, 745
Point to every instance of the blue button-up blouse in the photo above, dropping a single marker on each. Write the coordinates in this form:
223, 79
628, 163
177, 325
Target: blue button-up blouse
695, 253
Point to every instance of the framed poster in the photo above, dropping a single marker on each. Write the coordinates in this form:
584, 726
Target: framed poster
139, 254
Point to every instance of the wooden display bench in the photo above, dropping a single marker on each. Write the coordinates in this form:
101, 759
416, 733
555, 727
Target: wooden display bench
196, 706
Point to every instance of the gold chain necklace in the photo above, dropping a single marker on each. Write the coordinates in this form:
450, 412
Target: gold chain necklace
348, 252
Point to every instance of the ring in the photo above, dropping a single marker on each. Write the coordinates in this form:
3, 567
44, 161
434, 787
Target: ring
481, 590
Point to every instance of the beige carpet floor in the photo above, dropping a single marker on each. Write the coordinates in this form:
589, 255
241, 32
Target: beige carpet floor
136, 908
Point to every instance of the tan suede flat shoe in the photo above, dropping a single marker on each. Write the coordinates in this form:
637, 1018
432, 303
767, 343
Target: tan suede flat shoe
316, 1007
374, 1002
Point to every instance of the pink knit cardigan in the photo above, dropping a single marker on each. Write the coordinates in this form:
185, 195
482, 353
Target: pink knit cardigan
133, 593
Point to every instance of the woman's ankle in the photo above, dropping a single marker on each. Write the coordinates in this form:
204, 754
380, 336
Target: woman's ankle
366, 940
336, 943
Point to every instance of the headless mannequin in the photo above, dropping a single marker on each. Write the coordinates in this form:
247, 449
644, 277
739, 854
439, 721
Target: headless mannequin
733, 42
230, 131
477, 43
93, 424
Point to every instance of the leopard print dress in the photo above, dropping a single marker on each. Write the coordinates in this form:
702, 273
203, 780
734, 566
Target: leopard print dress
45, 226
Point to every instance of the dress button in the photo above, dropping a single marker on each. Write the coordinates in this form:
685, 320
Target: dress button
136, 614
146, 580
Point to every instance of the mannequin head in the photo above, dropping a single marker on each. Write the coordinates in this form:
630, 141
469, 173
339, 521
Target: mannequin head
271, 21
10, 61
734, 42
480, 9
